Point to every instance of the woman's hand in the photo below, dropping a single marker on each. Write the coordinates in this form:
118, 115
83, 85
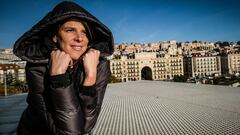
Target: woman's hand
90, 62
59, 62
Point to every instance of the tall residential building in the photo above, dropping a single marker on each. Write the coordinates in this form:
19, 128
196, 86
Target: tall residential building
202, 65
231, 63
16, 71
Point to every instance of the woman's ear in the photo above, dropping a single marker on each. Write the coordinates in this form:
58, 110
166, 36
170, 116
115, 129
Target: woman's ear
55, 39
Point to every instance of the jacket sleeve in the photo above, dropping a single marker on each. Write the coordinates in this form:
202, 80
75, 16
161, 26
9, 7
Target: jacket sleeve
66, 115
35, 77
92, 96
67, 112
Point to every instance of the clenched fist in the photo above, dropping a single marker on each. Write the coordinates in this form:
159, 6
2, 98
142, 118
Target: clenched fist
90, 62
59, 62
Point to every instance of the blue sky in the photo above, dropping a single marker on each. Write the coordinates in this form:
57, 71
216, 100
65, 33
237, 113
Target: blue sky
135, 20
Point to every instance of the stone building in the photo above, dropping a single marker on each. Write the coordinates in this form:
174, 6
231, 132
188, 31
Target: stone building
146, 66
8, 58
199, 65
15, 71
231, 63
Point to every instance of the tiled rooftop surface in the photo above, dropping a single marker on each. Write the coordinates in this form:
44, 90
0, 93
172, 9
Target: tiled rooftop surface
153, 108
11, 108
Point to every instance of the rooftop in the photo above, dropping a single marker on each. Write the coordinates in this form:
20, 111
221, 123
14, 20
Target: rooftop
153, 108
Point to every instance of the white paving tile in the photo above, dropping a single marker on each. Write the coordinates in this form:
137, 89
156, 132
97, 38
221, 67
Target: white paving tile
153, 108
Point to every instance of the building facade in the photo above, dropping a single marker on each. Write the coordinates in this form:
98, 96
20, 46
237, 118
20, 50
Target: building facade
198, 65
146, 66
231, 63
7, 56
12, 71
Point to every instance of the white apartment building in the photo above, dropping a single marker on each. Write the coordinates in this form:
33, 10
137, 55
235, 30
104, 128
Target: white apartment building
202, 65
231, 63
16, 71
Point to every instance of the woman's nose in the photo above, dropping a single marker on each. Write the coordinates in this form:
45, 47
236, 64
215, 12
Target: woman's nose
79, 37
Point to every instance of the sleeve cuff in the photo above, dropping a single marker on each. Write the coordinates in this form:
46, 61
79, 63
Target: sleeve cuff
62, 80
88, 90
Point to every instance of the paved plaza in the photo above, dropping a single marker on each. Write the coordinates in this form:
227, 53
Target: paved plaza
153, 108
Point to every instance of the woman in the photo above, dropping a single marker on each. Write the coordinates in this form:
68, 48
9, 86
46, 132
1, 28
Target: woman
66, 71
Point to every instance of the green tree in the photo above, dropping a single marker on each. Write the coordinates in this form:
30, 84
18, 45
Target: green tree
113, 79
9, 78
20, 86
180, 78
195, 41
225, 43
238, 42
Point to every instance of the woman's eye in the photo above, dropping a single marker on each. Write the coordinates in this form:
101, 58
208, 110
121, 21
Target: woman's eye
84, 33
69, 30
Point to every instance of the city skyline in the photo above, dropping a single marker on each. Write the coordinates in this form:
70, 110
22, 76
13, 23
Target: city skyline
136, 21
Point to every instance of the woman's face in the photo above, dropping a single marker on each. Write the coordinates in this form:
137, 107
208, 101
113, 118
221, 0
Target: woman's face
72, 38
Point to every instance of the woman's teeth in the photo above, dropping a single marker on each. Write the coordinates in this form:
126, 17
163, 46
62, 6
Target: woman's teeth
77, 48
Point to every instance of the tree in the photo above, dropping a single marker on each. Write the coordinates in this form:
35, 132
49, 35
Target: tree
218, 43
225, 43
231, 43
113, 79
195, 41
20, 86
180, 78
10, 78
238, 42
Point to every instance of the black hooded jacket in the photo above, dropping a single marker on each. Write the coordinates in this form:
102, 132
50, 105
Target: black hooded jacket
61, 104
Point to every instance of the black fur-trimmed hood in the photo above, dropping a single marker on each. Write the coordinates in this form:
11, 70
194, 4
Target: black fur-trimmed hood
33, 46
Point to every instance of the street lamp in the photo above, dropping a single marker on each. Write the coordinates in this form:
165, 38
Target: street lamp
5, 82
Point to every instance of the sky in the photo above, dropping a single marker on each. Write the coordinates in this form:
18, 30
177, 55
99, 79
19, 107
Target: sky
139, 21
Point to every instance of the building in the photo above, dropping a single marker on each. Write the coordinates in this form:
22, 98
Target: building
197, 46
165, 45
13, 70
200, 65
167, 66
231, 63
146, 66
7, 57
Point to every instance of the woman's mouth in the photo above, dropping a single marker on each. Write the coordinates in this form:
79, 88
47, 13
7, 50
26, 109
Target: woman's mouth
76, 47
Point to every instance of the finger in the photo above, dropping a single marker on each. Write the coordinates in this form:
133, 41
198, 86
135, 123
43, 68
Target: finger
91, 49
84, 57
70, 64
98, 53
55, 51
55, 48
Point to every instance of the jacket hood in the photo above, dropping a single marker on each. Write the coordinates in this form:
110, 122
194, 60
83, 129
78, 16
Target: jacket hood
36, 44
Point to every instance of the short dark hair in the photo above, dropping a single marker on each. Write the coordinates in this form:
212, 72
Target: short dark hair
56, 27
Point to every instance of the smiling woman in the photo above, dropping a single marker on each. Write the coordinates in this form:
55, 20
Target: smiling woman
64, 100
72, 38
